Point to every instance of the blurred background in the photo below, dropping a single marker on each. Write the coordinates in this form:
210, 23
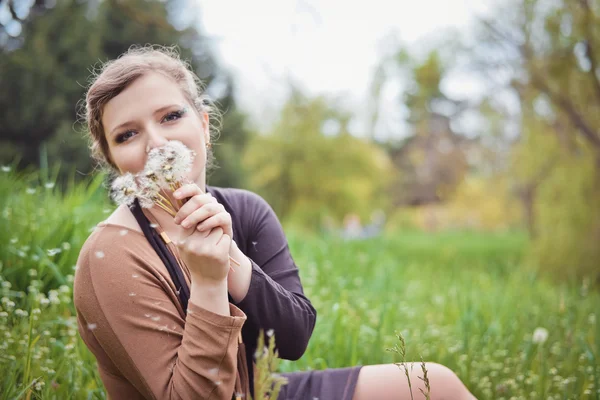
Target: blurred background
456, 128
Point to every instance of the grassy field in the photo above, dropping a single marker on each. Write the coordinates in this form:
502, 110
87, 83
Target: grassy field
461, 299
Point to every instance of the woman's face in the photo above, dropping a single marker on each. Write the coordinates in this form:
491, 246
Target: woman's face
147, 114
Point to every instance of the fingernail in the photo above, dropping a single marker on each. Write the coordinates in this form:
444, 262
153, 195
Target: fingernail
177, 194
185, 224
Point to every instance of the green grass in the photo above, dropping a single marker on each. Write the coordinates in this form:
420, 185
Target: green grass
461, 299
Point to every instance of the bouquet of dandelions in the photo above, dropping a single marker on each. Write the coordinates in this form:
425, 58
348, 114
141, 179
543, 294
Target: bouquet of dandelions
165, 172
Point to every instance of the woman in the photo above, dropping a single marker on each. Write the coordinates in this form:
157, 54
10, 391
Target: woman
156, 334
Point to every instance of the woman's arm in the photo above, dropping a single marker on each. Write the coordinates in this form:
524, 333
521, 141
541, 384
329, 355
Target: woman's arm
129, 317
275, 298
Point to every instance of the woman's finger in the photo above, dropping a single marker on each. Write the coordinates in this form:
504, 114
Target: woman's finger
222, 219
202, 213
187, 190
193, 204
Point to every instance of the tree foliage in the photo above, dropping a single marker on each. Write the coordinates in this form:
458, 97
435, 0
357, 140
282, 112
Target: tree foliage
45, 71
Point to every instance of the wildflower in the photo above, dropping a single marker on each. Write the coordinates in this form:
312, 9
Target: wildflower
540, 335
38, 385
30, 191
49, 185
32, 272
5, 168
53, 252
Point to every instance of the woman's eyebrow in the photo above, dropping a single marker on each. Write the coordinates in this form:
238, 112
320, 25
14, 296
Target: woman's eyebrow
157, 111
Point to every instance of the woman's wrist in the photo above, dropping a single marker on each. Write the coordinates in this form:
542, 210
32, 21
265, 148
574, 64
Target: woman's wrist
210, 295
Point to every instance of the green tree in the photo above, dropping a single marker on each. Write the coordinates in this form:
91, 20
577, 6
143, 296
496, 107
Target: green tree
549, 51
45, 71
309, 166
431, 160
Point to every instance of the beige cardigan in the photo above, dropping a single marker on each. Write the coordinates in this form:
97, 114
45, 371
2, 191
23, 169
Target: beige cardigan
130, 317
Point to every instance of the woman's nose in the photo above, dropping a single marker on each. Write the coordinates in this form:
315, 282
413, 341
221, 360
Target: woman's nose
155, 139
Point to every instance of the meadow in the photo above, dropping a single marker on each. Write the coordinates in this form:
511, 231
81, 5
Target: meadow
463, 299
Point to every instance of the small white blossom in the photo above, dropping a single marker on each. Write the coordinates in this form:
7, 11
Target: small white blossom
5, 168
30, 191
49, 185
53, 252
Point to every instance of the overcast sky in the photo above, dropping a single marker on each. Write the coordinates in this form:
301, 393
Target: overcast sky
329, 46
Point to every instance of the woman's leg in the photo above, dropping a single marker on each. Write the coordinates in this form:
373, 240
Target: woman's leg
389, 381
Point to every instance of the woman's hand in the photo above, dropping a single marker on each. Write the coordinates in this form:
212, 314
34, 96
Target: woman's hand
207, 256
202, 211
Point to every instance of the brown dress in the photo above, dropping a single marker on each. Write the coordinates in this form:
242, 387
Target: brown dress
146, 346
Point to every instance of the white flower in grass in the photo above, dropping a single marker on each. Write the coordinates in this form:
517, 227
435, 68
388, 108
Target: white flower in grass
540, 335
53, 252
30, 190
49, 185
5, 168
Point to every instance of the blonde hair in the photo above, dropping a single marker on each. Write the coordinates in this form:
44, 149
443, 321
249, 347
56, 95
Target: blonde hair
116, 75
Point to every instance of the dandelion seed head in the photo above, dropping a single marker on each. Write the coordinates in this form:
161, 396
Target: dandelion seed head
124, 189
540, 335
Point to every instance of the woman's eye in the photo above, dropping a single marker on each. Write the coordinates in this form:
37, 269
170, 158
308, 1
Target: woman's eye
124, 136
172, 116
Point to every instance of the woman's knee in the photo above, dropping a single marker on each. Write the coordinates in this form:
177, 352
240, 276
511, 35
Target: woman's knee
445, 384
